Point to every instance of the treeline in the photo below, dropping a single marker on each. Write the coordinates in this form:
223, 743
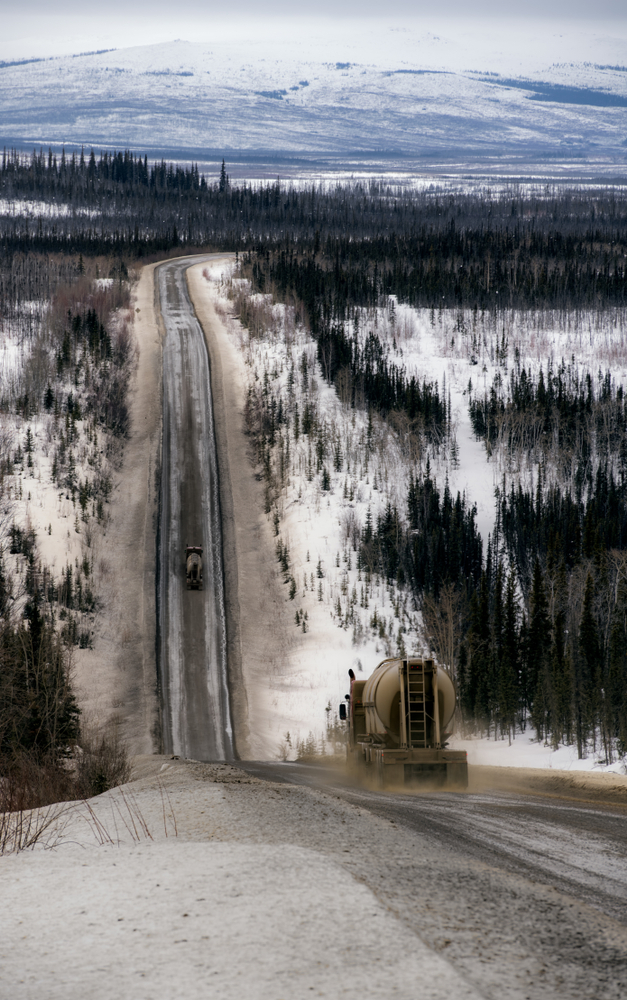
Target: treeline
488, 267
562, 663
367, 377
559, 661
543, 644
51, 177
432, 543
38, 711
356, 242
556, 527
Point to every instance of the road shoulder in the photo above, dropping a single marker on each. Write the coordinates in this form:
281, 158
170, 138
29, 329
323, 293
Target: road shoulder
203, 874
599, 789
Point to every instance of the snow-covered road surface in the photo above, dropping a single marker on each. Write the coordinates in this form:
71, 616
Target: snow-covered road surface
196, 720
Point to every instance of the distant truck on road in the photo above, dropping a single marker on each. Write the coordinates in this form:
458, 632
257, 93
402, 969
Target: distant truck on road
193, 557
399, 721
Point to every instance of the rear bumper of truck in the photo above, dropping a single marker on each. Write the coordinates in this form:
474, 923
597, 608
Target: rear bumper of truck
435, 768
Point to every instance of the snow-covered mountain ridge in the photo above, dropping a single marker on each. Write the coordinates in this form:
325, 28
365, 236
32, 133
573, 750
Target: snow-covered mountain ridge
362, 94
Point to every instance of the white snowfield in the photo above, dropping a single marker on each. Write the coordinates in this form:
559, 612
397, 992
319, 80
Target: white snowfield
253, 899
359, 90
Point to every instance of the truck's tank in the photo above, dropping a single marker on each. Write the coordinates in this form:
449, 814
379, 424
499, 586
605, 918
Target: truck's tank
381, 700
400, 719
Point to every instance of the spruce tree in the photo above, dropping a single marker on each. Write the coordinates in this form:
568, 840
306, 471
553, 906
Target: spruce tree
508, 678
590, 667
479, 643
538, 651
617, 670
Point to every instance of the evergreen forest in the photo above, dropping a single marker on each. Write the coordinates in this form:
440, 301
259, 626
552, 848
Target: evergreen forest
538, 612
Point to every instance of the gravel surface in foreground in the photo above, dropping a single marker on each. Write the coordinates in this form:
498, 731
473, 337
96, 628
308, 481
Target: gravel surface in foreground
267, 890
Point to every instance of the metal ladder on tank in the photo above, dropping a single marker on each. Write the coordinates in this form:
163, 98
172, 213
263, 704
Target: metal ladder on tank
416, 705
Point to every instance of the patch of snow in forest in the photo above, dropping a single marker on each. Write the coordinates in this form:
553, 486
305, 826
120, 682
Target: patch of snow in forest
17, 208
11, 355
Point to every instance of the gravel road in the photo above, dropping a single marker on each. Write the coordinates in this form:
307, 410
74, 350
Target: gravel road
196, 719
530, 891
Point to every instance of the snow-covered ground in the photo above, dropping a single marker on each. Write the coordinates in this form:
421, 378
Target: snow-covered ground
349, 91
339, 621
526, 751
48, 458
33, 500
39, 209
200, 881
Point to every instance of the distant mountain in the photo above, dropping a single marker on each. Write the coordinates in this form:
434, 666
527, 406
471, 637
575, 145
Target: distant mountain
397, 97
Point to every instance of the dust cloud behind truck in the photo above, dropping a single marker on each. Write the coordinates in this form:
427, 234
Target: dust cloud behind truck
399, 721
193, 566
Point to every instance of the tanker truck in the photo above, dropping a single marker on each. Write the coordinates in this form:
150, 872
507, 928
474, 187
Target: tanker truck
193, 563
399, 721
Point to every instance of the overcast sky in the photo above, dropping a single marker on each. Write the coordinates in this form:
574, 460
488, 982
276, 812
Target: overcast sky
31, 29
567, 9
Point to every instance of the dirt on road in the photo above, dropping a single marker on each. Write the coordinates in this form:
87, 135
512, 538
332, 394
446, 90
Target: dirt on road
581, 786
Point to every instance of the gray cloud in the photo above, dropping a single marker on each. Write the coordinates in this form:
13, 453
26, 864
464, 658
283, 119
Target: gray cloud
35, 29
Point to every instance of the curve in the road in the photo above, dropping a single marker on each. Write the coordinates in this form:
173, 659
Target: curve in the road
192, 641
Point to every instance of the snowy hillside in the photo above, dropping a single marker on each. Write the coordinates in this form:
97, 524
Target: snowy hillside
359, 93
344, 617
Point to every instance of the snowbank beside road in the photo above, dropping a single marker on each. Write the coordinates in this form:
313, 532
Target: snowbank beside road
244, 902
270, 891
